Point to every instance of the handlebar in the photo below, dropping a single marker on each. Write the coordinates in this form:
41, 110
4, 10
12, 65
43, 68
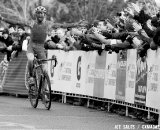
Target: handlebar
51, 59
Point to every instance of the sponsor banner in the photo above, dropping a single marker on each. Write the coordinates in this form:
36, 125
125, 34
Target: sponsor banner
130, 75
121, 75
90, 72
79, 72
153, 79
99, 75
141, 81
61, 75
110, 76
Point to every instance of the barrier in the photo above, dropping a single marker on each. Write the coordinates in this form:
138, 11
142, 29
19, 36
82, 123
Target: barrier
125, 77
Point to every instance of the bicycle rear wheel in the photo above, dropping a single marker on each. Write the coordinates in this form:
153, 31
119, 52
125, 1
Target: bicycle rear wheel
46, 91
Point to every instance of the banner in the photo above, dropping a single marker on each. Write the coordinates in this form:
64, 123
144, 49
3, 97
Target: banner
153, 79
90, 72
110, 76
131, 75
61, 75
121, 75
99, 75
79, 68
141, 81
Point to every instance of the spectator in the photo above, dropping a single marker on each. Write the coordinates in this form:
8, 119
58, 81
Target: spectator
17, 45
7, 39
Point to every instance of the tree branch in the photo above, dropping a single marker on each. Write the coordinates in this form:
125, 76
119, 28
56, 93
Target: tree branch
79, 10
101, 6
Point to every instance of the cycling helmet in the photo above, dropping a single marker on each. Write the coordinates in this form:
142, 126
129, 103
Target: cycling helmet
40, 9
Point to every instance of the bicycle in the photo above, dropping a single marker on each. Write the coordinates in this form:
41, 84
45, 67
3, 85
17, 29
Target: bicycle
42, 86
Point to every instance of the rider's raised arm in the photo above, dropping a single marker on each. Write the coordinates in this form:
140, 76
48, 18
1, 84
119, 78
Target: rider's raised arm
10, 21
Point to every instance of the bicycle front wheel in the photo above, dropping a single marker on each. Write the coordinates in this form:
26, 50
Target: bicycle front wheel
34, 89
46, 91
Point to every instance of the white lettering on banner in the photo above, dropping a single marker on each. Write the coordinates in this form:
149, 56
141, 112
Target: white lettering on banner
99, 73
140, 96
122, 64
142, 89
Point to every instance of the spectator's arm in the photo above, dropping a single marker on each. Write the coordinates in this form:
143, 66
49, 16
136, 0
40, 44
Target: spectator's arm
101, 38
75, 31
144, 36
121, 36
50, 45
97, 46
149, 32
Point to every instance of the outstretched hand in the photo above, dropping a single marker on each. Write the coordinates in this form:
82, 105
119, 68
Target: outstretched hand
137, 26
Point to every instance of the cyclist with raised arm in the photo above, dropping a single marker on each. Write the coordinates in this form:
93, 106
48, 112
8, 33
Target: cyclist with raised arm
39, 30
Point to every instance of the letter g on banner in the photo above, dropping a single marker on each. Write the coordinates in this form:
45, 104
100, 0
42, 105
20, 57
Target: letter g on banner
79, 68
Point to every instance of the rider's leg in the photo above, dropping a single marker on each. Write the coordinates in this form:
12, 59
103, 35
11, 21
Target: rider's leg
41, 54
30, 57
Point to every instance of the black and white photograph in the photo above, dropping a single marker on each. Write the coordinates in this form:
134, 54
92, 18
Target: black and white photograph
79, 64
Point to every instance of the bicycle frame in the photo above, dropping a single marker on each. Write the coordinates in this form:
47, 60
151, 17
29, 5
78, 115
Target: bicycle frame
40, 90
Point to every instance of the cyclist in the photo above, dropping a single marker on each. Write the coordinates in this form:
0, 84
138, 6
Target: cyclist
39, 29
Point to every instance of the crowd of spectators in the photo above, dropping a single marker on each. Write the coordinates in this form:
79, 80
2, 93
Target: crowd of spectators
134, 28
